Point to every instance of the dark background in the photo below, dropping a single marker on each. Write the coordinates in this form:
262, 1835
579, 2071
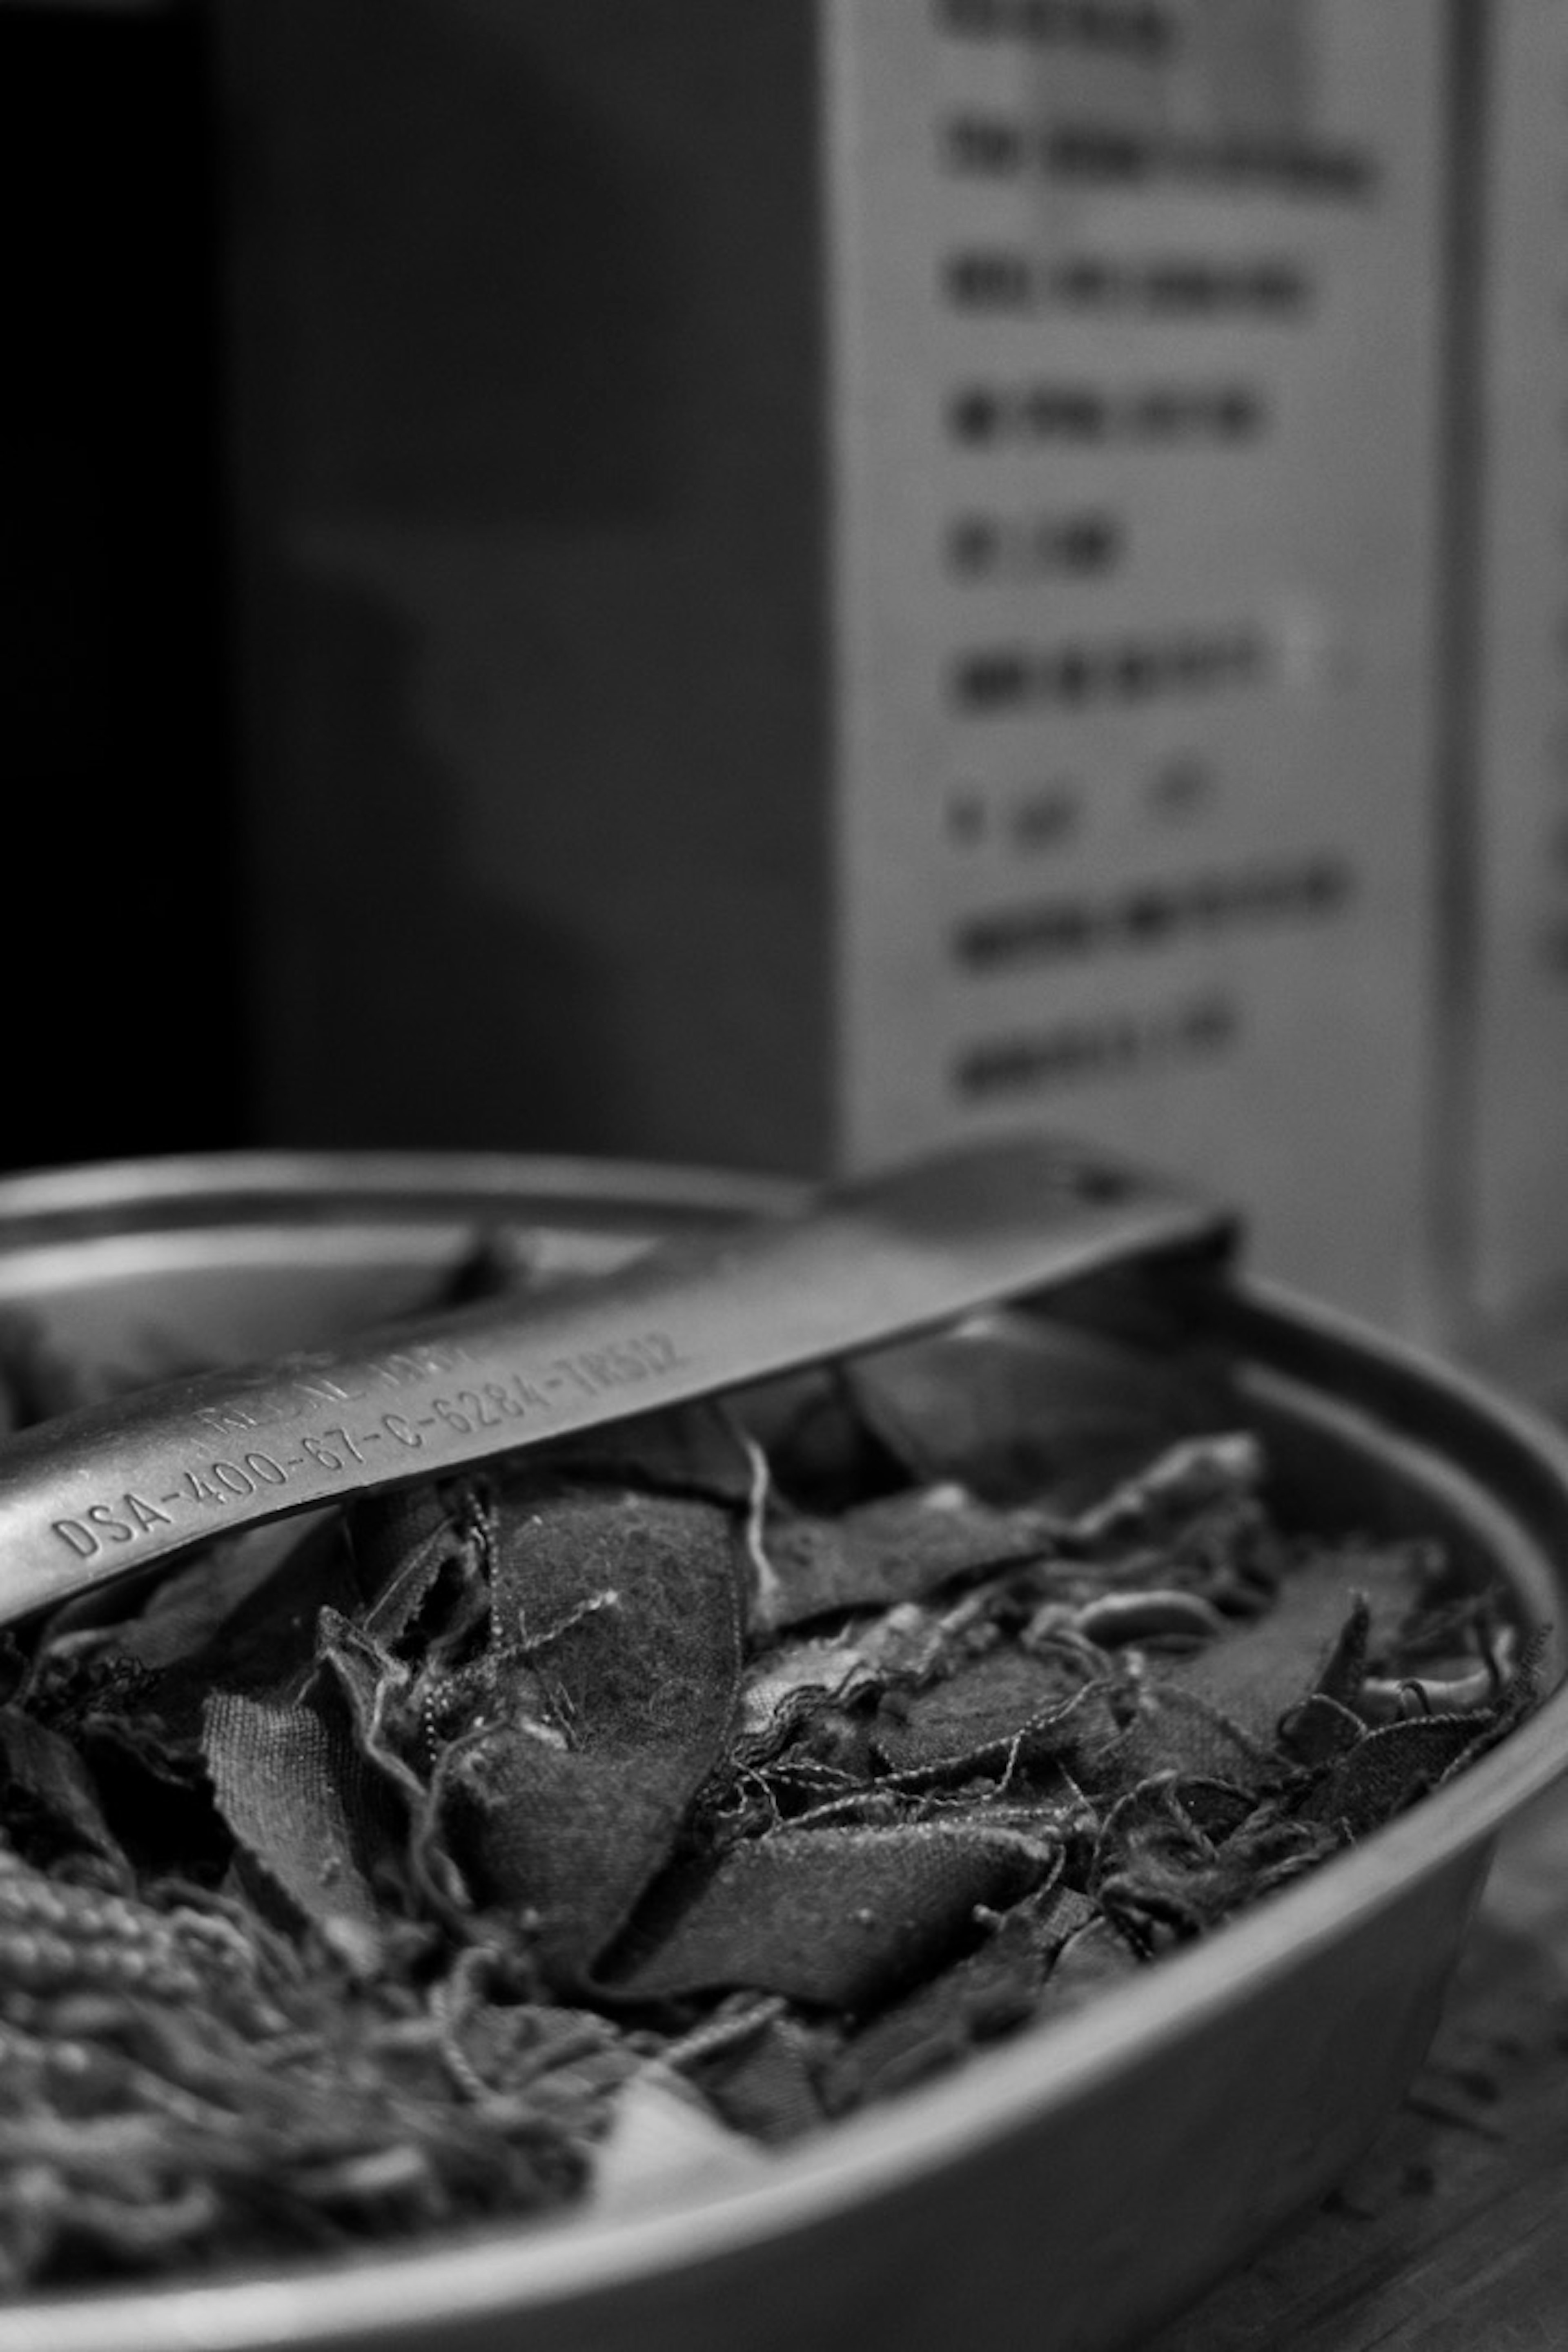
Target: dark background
306, 298
121, 958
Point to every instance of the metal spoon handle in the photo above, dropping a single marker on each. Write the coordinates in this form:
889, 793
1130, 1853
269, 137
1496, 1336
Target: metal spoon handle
96, 1494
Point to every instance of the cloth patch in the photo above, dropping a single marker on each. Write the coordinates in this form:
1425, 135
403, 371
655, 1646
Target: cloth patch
1390, 1766
695, 1449
764, 2083
1177, 1855
1093, 1961
625, 1612
1178, 1730
52, 1806
663, 2139
839, 1919
899, 1548
404, 1543
985, 1995
823, 1455
297, 1792
1255, 1674
1007, 1710
1027, 1412
242, 1617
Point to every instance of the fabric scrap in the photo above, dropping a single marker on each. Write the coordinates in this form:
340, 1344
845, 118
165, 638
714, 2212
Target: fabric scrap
838, 1917
898, 1547
624, 1612
296, 1792
1025, 1411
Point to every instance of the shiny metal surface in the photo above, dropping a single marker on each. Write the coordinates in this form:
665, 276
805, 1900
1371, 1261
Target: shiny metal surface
103, 1492
1076, 2184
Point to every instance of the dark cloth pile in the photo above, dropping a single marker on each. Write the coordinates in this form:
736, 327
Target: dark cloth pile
387, 1871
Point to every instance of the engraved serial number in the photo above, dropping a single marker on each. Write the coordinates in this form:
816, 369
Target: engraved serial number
546, 1391
594, 1372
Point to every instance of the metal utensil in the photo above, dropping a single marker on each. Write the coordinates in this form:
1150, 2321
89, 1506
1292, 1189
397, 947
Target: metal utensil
100, 1492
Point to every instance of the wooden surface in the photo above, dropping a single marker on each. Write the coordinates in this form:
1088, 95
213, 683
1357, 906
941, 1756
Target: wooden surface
1451, 2235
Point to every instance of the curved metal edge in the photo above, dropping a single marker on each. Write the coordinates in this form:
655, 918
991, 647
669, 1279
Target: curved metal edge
131, 1195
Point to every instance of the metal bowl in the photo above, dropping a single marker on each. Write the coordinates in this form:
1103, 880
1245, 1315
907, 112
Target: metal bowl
1071, 2187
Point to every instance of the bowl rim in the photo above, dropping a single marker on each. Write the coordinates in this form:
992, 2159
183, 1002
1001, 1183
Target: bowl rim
131, 1195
